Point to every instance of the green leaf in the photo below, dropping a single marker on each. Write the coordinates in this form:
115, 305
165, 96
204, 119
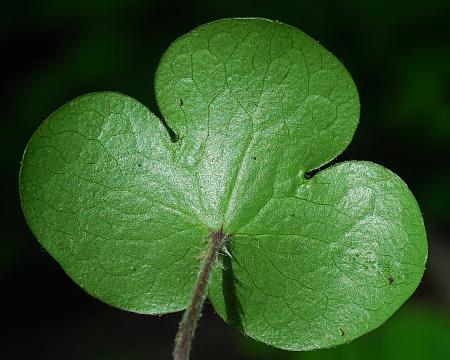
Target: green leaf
101, 191
326, 264
255, 105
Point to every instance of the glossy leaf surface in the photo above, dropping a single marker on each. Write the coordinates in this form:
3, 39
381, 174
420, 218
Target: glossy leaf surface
255, 104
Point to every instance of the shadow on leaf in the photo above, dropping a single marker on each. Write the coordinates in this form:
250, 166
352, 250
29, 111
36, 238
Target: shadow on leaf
233, 307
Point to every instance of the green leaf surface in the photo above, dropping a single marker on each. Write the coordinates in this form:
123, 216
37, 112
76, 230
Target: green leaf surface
330, 262
101, 191
255, 104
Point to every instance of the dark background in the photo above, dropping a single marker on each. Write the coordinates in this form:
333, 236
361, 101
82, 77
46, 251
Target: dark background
398, 53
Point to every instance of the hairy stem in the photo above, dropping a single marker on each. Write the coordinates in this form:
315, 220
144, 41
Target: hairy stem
192, 314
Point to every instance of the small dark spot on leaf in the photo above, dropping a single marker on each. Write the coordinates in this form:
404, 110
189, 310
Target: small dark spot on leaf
390, 280
181, 102
139, 165
254, 158
341, 330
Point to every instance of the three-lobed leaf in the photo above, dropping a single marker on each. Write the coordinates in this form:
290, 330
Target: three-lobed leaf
255, 105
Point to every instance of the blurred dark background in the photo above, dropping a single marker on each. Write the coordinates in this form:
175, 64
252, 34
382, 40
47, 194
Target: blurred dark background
54, 50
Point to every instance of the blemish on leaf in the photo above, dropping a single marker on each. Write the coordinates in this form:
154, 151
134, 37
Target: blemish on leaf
341, 331
254, 157
139, 165
181, 102
390, 280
